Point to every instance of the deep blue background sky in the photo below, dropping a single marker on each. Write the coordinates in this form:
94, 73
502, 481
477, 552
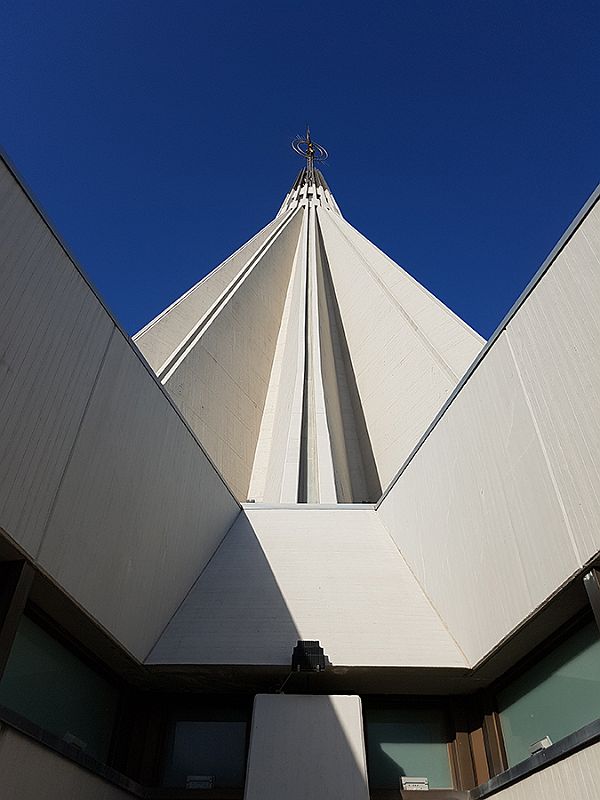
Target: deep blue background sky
464, 136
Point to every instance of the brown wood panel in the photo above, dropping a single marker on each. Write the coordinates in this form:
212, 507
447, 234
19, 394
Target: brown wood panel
479, 754
460, 749
494, 743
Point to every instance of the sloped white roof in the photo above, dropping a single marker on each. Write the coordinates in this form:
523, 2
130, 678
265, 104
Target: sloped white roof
289, 573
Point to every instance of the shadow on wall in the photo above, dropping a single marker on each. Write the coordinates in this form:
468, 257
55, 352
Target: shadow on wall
235, 612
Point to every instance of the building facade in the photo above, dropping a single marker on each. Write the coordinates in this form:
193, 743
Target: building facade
306, 534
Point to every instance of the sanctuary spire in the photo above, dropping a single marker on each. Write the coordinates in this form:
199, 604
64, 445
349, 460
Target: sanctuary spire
308, 363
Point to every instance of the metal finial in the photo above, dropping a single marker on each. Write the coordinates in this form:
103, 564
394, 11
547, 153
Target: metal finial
309, 150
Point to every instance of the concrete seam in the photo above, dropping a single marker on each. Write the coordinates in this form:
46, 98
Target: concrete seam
197, 285
192, 338
192, 586
134, 349
434, 608
412, 324
415, 282
544, 450
74, 444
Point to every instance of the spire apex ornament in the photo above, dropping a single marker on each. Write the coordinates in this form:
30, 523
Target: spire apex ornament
309, 150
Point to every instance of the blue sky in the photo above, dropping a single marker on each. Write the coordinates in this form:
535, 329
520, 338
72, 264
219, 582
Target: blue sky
464, 136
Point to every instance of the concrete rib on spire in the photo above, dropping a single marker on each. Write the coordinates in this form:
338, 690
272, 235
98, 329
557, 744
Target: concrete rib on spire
308, 363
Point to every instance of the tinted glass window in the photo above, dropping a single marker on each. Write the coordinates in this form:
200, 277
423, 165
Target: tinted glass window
50, 686
554, 698
409, 742
212, 748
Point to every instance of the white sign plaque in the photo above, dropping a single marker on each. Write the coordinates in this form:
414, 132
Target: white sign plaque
416, 784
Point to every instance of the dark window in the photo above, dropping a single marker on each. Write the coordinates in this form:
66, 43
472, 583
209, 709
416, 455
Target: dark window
52, 687
209, 743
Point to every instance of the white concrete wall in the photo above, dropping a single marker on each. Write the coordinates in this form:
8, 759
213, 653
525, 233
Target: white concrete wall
160, 337
331, 574
101, 481
53, 337
574, 778
220, 382
407, 349
140, 509
30, 771
306, 746
555, 339
500, 505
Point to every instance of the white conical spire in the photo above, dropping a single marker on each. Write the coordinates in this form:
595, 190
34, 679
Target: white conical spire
313, 445
309, 364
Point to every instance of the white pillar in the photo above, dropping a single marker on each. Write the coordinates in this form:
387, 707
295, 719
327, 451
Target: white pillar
306, 746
